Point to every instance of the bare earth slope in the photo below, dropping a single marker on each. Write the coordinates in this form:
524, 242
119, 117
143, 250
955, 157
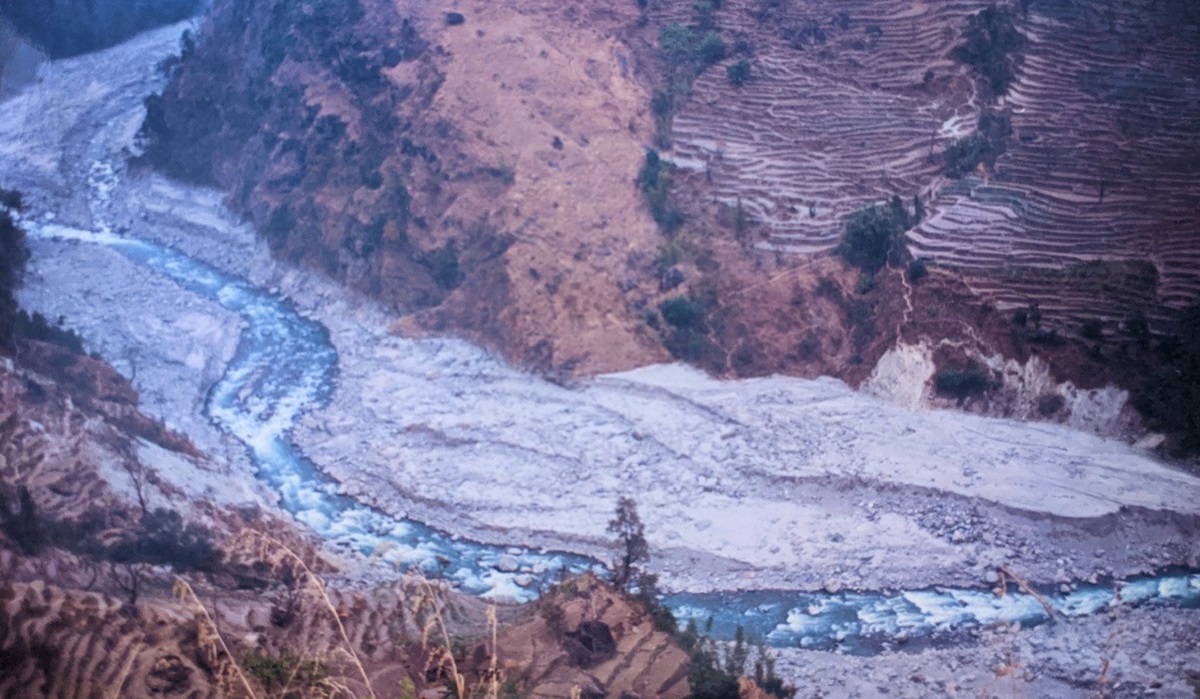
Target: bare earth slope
479, 177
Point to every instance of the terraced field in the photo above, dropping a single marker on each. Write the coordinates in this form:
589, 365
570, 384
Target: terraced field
838, 112
1096, 197
1093, 210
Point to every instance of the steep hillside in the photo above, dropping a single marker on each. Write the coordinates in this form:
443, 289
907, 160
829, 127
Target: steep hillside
477, 166
476, 176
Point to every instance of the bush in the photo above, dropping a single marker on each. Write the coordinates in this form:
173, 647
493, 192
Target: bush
917, 270
11, 199
454, 19
283, 672
443, 266
988, 143
19, 521
1168, 399
711, 50
961, 383
1092, 329
162, 539
873, 235
738, 73
991, 39
682, 312
655, 183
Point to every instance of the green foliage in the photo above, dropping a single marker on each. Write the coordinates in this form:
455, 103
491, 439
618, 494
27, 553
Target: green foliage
19, 521
991, 41
505, 173
676, 43
988, 143
738, 73
11, 199
874, 236
682, 312
633, 550
917, 270
1092, 329
161, 538
1168, 399
443, 266
14, 322
13, 256
961, 383
284, 671
711, 50
708, 679
37, 327
655, 183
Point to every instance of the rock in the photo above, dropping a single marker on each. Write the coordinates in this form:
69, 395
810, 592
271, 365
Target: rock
832, 586
523, 580
991, 577
507, 563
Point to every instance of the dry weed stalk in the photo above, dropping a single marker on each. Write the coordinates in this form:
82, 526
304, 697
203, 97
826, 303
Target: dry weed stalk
1023, 585
441, 657
426, 602
281, 558
119, 682
210, 640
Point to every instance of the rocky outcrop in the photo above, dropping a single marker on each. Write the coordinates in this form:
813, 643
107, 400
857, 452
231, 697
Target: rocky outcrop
588, 637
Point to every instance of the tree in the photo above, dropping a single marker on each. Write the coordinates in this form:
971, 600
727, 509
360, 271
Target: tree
13, 256
21, 524
633, 550
873, 235
991, 38
739, 73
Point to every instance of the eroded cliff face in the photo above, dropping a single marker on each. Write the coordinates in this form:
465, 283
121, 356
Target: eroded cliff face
479, 177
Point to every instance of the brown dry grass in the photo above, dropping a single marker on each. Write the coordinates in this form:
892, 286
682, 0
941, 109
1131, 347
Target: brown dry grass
517, 77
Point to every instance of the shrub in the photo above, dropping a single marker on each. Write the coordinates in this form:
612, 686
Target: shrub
284, 672
738, 73
872, 236
36, 327
1092, 329
19, 521
917, 270
454, 19
655, 183
991, 39
443, 266
11, 199
161, 538
988, 143
711, 49
961, 383
682, 312
676, 42
1168, 399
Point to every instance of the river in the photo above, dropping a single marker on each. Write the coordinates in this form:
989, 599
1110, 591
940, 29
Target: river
286, 365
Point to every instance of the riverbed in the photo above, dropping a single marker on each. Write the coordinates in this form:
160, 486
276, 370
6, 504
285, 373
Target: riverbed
804, 490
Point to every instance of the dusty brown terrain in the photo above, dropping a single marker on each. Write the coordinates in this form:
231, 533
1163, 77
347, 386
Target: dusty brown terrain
71, 435
479, 177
